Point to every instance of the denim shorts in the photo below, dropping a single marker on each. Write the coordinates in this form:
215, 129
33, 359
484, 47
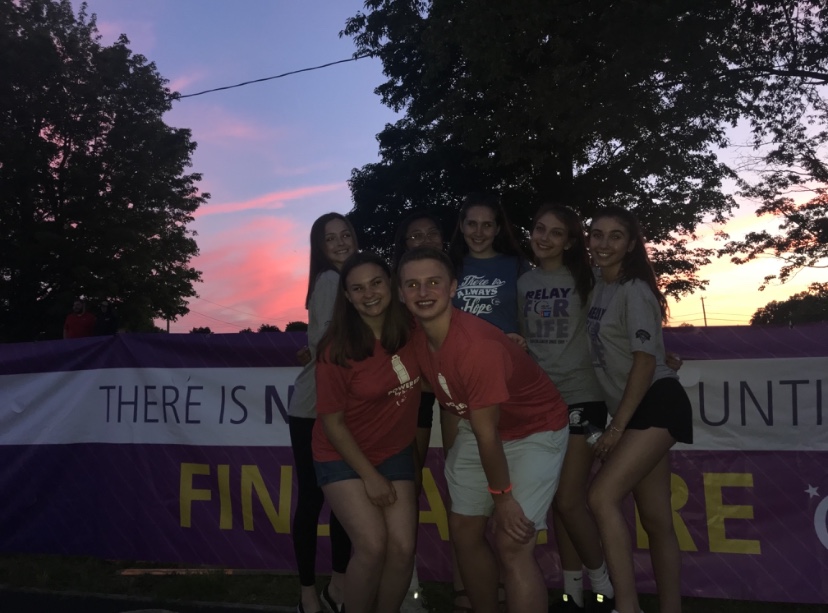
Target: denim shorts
399, 467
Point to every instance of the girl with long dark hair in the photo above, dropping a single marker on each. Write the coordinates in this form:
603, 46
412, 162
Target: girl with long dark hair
489, 261
332, 241
553, 300
368, 391
650, 409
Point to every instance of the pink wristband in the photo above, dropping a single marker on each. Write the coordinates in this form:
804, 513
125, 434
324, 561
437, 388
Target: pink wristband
498, 492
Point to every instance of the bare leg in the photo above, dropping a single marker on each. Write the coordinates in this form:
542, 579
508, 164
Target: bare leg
365, 524
652, 495
525, 589
400, 519
476, 560
636, 455
579, 542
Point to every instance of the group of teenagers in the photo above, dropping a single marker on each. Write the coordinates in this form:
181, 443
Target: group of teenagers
521, 358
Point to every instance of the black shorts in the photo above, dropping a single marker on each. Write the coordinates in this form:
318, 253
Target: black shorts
665, 405
426, 412
593, 412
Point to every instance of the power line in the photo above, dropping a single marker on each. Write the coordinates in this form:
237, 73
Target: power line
215, 319
278, 76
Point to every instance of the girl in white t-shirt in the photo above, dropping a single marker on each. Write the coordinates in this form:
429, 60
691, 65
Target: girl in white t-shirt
650, 409
332, 241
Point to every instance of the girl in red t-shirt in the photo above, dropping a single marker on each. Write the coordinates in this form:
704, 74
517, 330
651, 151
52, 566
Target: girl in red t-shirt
368, 391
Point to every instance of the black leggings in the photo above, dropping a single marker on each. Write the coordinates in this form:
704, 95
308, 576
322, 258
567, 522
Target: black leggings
308, 505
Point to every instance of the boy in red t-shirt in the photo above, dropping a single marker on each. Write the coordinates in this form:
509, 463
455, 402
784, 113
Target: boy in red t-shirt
505, 454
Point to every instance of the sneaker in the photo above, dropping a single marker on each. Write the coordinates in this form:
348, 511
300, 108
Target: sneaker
565, 605
414, 602
329, 603
598, 603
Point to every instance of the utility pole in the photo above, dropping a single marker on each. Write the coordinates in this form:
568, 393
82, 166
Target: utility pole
704, 312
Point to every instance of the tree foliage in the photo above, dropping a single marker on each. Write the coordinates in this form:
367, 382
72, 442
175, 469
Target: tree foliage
268, 328
201, 330
94, 194
786, 172
805, 307
590, 103
296, 326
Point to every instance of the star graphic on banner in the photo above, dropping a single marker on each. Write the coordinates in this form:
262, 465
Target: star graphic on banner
812, 491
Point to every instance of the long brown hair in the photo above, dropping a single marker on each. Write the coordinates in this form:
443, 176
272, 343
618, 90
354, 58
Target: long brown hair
504, 242
348, 337
576, 257
319, 261
636, 263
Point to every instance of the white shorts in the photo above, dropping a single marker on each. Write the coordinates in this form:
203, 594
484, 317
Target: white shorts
534, 469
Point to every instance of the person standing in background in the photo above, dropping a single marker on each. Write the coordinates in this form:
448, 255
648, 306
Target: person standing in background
106, 323
80, 323
332, 241
488, 259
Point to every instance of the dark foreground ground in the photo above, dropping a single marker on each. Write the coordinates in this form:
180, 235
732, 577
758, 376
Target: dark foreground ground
40, 601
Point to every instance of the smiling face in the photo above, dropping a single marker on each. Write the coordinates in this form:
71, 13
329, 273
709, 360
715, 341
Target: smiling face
368, 288
426, 288
423, 233
549, 240
479, 229
339, 242
609, 243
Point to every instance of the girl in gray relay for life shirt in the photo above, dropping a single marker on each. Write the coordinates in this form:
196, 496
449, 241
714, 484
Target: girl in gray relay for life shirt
553, 307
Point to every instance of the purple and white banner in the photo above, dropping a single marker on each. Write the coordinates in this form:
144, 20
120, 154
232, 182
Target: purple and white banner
174, 448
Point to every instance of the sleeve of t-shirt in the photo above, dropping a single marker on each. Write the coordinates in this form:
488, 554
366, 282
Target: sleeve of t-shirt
321, 306
331, 387
485, 369
642, 319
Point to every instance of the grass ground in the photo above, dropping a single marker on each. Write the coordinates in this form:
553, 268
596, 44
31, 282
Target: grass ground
60, 573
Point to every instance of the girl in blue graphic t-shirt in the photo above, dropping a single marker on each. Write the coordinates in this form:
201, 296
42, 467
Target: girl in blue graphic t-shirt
489, 261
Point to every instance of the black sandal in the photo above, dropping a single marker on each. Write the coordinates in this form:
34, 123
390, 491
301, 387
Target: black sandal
459, 608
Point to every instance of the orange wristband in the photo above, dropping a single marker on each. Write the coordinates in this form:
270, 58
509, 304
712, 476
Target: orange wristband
498, 492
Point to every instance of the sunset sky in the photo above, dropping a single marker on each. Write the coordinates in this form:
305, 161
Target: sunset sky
276, 155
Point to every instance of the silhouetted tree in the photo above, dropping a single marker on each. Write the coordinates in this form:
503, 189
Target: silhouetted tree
805, 307
268, 328
589, 103
94, 194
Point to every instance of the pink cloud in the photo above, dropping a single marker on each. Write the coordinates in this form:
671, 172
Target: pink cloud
214, 124
141, 34
183, 83
273, 200
253, 273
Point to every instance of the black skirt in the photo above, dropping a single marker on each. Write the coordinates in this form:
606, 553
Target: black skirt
665, 405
